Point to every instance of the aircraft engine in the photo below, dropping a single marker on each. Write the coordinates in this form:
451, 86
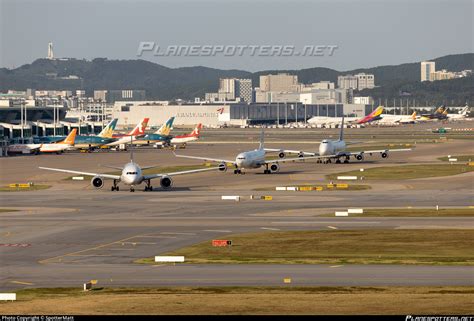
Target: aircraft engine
166, 182
281, 155
384, 154
97, 182
223, 167
274, 167
360, 157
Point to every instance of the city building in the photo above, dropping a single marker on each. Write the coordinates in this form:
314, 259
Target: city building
111, 96
232, 89
363, 100
360, 81
427, 67
317, 85
279, 83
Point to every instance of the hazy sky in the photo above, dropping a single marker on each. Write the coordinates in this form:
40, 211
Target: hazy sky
367, 33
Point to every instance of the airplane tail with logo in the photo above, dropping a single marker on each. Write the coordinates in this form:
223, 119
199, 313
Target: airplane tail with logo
70, 138
197, 131
165, 129
139, 130
108, 130
464, 111
375, 115
413, 116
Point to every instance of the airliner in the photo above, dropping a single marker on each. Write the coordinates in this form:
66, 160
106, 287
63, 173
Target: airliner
397, 119
132, 136
461, 115
335, 150
162, 135
58, 147
249, 159
182, 140
322, 120
132, 175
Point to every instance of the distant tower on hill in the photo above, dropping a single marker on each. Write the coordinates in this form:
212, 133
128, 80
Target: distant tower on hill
50, 51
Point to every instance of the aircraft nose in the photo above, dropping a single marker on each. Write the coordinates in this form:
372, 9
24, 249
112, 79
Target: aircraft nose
323, 149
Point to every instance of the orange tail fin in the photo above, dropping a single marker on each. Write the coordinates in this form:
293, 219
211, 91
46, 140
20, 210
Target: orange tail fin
71, 137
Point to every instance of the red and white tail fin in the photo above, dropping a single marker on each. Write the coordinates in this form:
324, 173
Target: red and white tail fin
140, 128
70, 138
197, 130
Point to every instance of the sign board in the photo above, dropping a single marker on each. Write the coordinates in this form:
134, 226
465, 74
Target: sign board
355, 211
7, 296
347, 177
221, 243
341, 214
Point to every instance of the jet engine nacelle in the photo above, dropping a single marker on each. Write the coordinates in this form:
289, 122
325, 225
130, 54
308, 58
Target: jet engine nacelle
97, 182
222, 167
281, 155
274, 167
300, 154
360, 157
166, 182
384, 154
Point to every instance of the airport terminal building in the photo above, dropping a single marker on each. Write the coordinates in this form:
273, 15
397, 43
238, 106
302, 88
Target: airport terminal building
239, 114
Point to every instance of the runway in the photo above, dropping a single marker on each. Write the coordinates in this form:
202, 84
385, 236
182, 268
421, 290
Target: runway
70, 233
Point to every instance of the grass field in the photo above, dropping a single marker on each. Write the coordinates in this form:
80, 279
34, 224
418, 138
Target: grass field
244, 300
461, 158
447, 247
155, 170
24, 189
407, 171
351, 187
5, 210
414, 212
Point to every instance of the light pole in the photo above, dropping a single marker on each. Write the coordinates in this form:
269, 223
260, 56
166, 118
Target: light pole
305, 122
21, 120
54, 118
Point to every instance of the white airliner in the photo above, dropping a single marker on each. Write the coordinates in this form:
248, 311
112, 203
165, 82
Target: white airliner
58, 147
249, 159
461, 115
335, 150
131, 175
132, 136
388, 119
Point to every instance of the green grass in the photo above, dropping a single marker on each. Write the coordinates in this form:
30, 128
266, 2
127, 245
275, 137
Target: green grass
24, 189
351, 187
4, 210
414, 212
285, 299
407, 171
446, 247
154, 170
461, 158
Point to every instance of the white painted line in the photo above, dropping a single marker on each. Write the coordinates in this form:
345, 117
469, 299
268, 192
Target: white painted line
159, 237
269, 228
172, 259
221, 231
355, 210
316, 222
22, 283
333, 227
176, 233
336, 266
347, 178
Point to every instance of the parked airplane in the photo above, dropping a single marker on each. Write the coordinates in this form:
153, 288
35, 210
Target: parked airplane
461, 115
335, 149
162, 135
182, 140
397, 119
131, 174
57, 147
85, 141
133, 135
437, 115
322, 120
249, 159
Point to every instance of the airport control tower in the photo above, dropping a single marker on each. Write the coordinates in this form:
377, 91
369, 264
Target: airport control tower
50, 51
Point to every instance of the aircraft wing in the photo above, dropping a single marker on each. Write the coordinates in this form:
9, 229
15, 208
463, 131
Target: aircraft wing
81, 173
113, 167
293, 159
151, 176
289, 151
207, 159
381, 151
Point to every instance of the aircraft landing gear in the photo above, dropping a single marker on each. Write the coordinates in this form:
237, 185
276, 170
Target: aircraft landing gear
115, 187
148, 186
338, 161
237, 171
346, 161
266, 170
132, 189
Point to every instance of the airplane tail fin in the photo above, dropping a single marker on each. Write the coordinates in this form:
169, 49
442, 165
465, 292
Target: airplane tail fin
108, 130
413, 116
262, 140
140, 128
464, 111
197, 131
165, 129
341, 131
70, 138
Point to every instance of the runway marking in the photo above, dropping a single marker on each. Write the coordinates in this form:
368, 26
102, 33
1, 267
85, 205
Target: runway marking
336, 266
159, 237
316, 222
20, 282
121, 249
332, 227
173, 233
269, 228
87, 255
89, 249
135, 243
221, 231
